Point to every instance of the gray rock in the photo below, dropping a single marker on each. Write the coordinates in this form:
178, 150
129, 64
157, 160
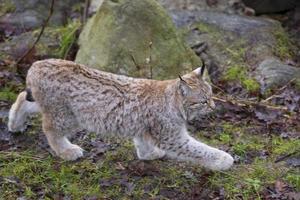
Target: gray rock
95, 5
273, 73
30, 14
227, 6
234, 40
18, 45
136, 38
271, 6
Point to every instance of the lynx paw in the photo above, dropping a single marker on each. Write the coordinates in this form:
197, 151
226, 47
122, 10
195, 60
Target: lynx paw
14, 128
72, 153
224, 162
15, 124
155, 154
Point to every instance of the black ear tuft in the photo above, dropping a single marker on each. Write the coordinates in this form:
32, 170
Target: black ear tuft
181, 79
202, 69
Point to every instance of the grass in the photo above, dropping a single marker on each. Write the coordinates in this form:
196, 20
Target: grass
6, 7
34, 173
249, 178
7, 94
235, 52
284, 48
67, 38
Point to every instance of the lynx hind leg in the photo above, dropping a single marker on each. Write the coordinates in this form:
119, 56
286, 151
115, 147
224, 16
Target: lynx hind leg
59, 142
19, 112
146, 148
186, 148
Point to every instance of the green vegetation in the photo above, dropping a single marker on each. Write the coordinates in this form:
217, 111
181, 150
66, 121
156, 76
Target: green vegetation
118, 174
284, 47
68, 38
239, 73
7, 94
247, 181
206, 28
234, 52
297, 84
7, 6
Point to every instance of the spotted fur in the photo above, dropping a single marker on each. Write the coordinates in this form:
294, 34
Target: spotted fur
72, 97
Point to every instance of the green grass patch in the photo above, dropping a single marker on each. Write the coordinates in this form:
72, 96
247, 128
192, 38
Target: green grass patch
67, 38
239, 73
7, 94
284, 47
282, 146
7, 6
118, 175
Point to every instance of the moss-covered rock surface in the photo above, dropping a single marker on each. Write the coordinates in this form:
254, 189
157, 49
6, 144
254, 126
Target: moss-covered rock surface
135, 38
240, 43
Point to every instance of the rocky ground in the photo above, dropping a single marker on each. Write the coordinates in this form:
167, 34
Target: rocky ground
253, 58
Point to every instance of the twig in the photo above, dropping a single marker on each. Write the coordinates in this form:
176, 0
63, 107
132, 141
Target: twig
40, 34
285, 156
150, 59
135, 63
245, 103
279, 90
86, 11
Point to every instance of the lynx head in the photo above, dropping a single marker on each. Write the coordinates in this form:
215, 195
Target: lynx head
196, 94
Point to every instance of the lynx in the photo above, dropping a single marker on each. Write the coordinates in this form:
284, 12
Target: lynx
73, 97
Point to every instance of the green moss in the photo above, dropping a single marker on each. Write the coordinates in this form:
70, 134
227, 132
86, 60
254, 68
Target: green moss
7, 6
293, 177
29, 173
246, 143
7, 94
235, 73
246, 182
126, 49
297, 84
239, 73
285, 146
283, 48
250, 85
207, 28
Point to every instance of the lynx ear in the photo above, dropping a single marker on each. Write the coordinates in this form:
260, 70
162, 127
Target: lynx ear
200, 71
184, 87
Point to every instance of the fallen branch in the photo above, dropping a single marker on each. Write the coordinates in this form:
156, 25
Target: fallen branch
40, 34
246, 103
275, 95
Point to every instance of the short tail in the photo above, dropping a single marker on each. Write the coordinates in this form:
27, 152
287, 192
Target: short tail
29, 96
23, 107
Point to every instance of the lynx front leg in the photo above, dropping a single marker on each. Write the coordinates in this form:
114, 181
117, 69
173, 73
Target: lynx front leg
59, 143
146, 149
184, 147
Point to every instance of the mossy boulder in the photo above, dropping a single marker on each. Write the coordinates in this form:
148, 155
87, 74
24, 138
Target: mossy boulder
18, 45
272, 73
236, 42
55, 42
135, 38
